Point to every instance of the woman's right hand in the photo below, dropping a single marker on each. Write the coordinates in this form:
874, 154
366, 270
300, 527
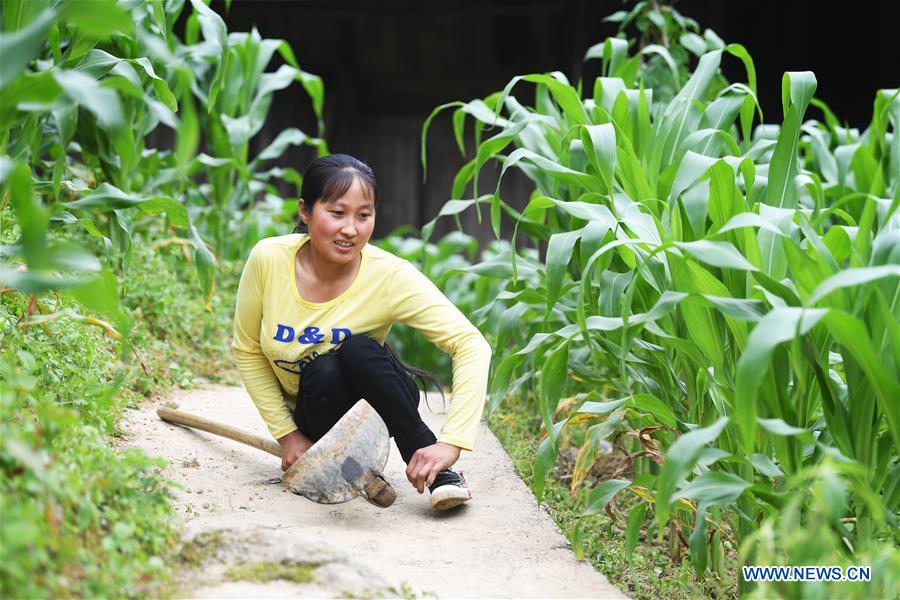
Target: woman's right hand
293, 446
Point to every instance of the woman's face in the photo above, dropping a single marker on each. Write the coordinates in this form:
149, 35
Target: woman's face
338, 230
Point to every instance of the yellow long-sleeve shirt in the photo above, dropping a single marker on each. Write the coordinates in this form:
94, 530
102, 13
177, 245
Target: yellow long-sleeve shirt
276, 330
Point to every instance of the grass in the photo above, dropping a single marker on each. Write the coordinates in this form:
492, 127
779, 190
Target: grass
196, 552
650, 573
262, 572
79, 516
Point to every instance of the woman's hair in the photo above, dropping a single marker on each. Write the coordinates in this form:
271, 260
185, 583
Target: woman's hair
327, 179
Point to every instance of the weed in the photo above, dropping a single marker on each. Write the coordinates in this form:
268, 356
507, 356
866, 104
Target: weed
650, 573
197, 551
77, 516
286, 570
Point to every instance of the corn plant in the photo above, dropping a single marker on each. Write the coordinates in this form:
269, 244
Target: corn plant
663, 65
724, 294
236, 93
85, 85
86, 88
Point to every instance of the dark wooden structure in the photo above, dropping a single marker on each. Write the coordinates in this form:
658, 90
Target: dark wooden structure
386, 64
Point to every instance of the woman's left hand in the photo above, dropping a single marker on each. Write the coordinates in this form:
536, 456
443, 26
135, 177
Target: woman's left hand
427, 462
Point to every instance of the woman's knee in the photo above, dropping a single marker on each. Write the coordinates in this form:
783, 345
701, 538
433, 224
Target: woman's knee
364, 359
358, 351
322, 377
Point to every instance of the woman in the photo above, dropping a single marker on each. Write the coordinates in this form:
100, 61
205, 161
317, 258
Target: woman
313, 311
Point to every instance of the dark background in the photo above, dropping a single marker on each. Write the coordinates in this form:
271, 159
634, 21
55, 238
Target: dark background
386, 64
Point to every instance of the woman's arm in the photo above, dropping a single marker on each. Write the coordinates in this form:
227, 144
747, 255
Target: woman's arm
254, 367
417, 302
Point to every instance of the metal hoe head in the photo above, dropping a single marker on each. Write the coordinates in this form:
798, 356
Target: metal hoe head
346, 462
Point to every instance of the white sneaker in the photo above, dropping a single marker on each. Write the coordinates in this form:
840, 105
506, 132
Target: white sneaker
448, 490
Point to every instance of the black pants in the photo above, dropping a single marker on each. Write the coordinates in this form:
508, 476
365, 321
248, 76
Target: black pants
332, 383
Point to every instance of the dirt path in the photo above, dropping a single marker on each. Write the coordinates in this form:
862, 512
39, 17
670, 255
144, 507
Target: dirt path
240, 528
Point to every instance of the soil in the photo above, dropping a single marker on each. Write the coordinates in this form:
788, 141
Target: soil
244, 535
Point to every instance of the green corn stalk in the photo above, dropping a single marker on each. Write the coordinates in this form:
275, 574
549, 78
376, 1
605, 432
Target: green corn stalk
742, 284
84, 85
230, 82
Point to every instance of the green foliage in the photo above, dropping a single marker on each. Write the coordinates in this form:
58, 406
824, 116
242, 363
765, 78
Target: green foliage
807, 531
295, 572
645, 572
77, 105
100, 229
726, 295
665, 42
175, 337
80, 517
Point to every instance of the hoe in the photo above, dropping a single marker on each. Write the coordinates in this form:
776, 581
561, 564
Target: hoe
346, 462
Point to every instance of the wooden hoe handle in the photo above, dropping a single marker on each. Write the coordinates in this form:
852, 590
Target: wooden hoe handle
232, 433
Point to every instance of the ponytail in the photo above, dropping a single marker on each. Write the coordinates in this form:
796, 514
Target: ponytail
422, 376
